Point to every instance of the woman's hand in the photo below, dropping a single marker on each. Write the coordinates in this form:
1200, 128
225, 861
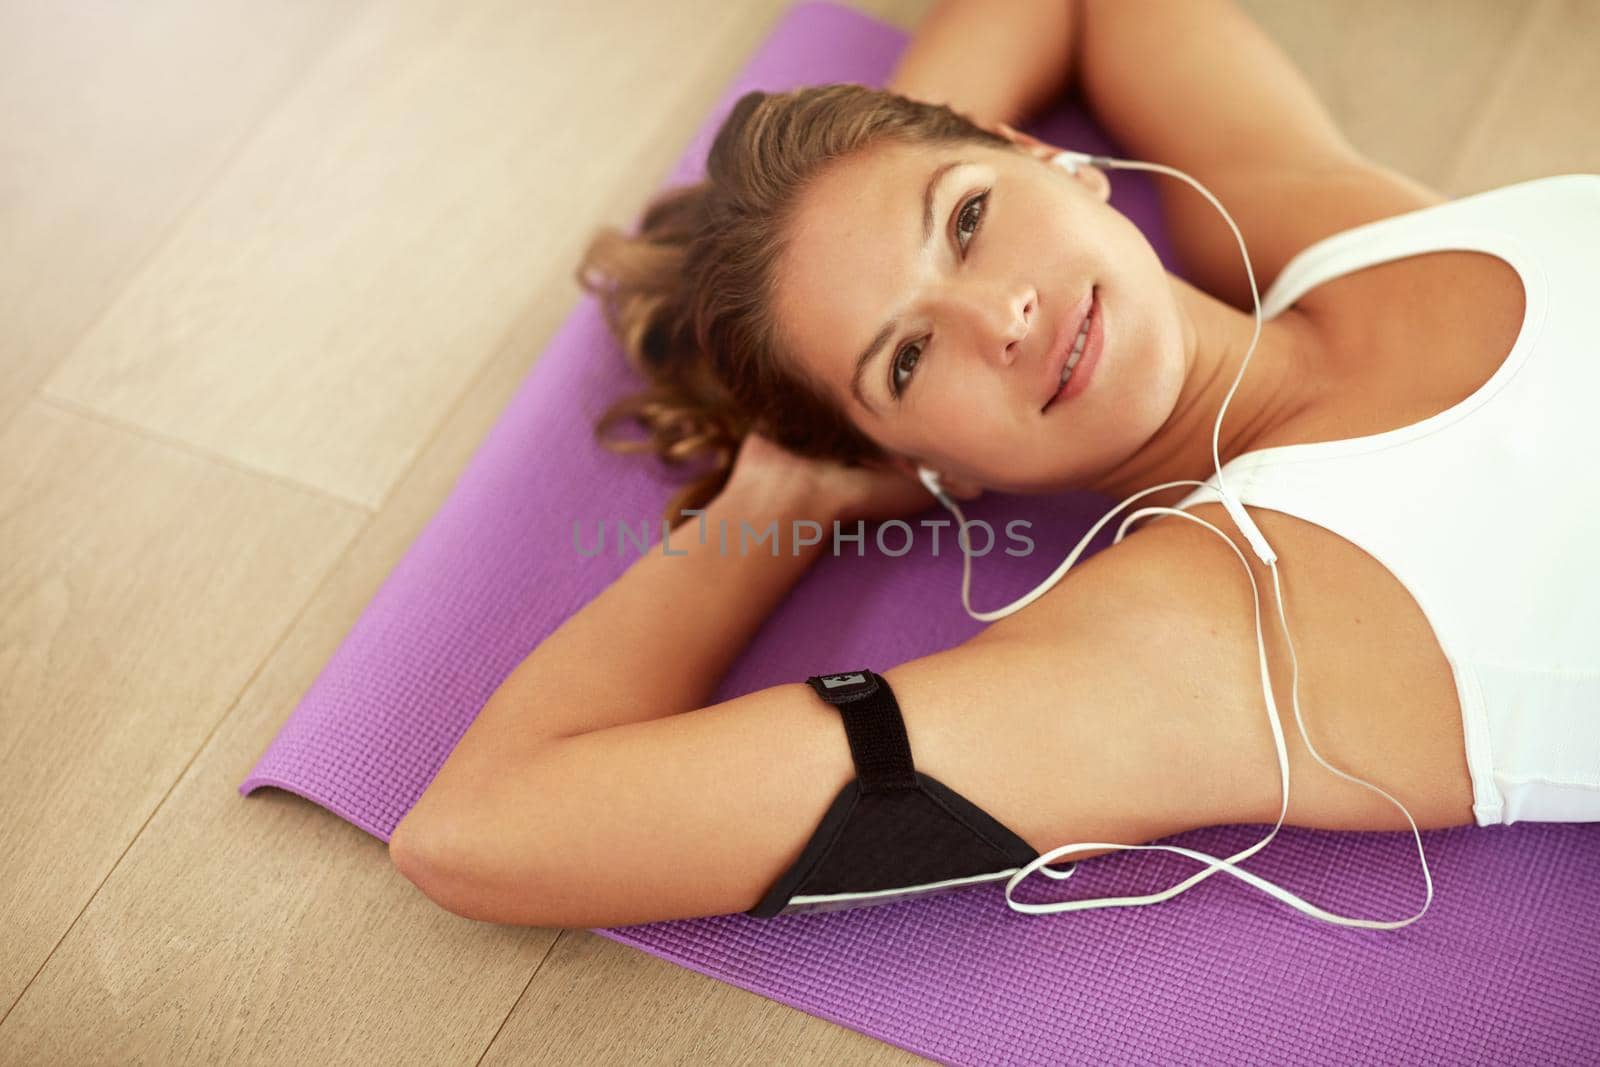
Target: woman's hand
827, 490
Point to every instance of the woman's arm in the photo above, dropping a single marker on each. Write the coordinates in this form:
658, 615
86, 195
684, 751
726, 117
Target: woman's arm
655, 643
661, 637
1193, 83
993, 60
658, 640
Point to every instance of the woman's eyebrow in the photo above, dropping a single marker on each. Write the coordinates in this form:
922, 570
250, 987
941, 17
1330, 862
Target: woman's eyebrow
893, 324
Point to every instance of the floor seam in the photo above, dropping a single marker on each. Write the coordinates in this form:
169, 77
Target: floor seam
189, 448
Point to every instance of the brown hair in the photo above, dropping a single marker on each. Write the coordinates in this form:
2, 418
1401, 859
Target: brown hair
689, 295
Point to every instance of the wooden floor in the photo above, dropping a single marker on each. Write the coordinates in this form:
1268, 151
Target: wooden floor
271, 271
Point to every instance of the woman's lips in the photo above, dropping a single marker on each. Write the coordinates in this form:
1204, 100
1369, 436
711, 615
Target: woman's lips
1061, 345
1093, 344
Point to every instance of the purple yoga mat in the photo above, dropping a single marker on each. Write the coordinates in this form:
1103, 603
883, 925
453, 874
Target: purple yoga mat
1501, 968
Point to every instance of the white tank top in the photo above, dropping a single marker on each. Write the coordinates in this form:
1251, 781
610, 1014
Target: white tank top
1486, 512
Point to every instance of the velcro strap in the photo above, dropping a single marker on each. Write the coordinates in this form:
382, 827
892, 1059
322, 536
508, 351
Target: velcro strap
873, 723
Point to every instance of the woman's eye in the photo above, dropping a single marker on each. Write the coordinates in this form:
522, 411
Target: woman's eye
968, 218
896, 382
967, 211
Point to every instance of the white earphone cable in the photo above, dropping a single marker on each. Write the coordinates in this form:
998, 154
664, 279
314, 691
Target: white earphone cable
1258, 543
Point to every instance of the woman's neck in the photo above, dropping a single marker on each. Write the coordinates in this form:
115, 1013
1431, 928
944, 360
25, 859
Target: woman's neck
1287, 373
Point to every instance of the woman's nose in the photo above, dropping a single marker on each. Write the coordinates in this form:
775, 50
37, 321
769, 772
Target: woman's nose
997, 323
1019, 325
1005, 326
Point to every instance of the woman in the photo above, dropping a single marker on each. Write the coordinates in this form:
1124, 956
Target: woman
596, 789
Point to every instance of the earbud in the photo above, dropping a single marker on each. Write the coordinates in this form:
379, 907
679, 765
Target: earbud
930, 479
1070, 161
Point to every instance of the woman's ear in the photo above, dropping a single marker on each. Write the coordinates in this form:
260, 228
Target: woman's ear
1092, 178
1028, 141
1096, 180
903, 465
959, 488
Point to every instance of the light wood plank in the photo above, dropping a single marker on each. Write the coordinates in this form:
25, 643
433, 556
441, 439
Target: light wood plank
328, 300
140, 585
265, 929
597, 1002
113, 117
1544, 117
1406, 81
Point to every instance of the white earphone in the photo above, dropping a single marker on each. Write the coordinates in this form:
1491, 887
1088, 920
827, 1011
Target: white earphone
1071, 162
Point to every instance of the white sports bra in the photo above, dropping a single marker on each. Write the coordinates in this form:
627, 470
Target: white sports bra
1485, 512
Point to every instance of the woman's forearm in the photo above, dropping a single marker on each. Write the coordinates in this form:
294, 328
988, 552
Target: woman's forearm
995, 60
658, 640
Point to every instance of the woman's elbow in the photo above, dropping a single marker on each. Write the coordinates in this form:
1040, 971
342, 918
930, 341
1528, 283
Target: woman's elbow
422, 856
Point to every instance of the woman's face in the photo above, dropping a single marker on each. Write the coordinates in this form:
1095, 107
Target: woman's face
964, 371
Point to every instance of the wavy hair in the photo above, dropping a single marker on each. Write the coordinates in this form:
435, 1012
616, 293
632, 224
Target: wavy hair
689, 295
